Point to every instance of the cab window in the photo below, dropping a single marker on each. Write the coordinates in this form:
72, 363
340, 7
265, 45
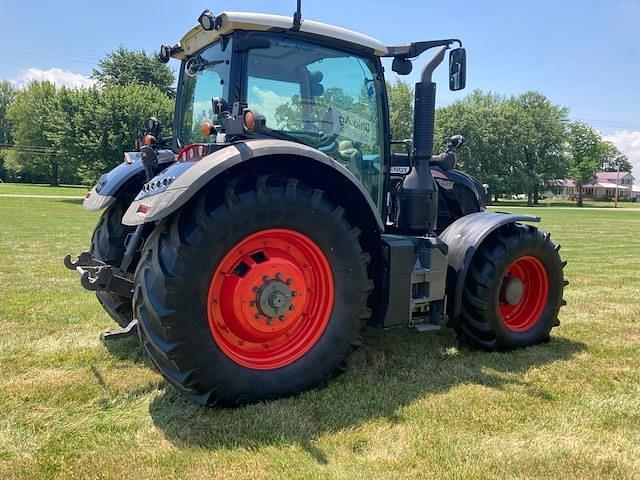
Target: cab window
325, 98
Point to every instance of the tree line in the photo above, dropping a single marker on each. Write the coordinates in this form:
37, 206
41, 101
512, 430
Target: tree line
61, 135
515, 144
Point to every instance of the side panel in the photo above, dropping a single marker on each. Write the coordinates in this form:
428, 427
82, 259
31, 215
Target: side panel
177, 184
413, 280
108, 187
463, 237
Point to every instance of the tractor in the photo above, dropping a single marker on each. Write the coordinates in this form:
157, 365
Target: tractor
250, 248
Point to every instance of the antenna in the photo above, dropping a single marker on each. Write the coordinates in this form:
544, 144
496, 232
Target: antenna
297, 18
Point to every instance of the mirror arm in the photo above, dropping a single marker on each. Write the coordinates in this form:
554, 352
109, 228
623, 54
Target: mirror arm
416, 49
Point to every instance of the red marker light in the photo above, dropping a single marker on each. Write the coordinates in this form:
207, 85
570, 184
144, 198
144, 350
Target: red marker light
206, 128
143, 209
249, 120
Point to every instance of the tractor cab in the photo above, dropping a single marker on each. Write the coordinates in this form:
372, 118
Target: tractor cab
315, 84
327, 96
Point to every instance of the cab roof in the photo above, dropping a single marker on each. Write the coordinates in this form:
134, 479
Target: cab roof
198, 38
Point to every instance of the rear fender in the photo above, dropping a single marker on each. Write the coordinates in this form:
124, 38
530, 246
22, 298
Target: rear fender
463, 237
111, 185
170, 190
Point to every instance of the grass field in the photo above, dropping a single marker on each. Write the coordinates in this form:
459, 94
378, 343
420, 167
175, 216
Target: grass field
411, 405
42, 190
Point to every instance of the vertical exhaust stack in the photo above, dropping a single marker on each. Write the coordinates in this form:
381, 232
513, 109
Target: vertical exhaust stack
418, 196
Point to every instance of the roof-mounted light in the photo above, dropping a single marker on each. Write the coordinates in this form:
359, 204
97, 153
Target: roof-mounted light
207, 20
165, 54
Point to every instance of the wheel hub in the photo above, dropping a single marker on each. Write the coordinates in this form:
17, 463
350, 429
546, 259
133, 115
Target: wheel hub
270, 299
523, 294
274, 299
512, 290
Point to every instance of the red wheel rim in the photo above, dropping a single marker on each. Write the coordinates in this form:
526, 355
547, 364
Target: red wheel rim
270, 299
521, 311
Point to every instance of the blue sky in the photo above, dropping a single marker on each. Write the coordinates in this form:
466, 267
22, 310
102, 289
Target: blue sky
582, 54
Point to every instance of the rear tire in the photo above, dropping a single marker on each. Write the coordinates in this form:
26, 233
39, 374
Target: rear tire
513, 290
108, 245
204, 325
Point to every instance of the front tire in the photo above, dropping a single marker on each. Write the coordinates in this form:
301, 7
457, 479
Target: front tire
254, 293
513, 291
108, 245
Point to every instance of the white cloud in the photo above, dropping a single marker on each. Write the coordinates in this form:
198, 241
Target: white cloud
629, 144
57, 76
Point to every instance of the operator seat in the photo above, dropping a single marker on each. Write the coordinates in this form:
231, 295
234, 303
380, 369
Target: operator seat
351, 157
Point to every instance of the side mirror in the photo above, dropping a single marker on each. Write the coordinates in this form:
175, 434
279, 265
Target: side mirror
457, 69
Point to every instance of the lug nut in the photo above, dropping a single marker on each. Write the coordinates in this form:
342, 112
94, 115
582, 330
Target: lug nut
281, 318
291, 307
289, 281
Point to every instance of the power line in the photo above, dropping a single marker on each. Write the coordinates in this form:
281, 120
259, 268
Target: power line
30, 149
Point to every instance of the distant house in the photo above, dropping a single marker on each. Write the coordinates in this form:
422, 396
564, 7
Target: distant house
601, 188
563, 188
604, 186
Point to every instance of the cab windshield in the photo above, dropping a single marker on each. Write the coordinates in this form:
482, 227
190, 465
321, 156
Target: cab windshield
203, 77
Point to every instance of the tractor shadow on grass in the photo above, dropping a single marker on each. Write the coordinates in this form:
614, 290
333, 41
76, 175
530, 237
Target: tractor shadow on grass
394, 370
127, 350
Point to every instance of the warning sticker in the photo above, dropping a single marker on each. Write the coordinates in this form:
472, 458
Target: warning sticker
350, 125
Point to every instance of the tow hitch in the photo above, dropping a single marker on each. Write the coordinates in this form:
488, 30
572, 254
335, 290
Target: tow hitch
99, 276
96, 275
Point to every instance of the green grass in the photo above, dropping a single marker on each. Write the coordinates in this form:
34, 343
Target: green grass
411, 405
38, 189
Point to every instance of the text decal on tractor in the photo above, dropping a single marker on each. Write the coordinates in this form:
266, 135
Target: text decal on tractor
249, 249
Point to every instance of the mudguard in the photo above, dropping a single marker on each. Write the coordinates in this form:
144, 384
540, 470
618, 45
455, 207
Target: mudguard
108, 187
463, 238
170, 190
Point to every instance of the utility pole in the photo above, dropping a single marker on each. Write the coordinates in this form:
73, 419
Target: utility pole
617, 183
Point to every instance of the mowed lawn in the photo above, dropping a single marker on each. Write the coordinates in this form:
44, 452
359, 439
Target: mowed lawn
42, 190
411, 405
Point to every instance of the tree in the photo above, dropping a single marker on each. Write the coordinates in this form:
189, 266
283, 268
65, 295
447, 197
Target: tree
489, 125
123, 67
104, 132
585, 148
613, 159
401, 103
7, 96
35, 116
513, 144
64, 135
542, 125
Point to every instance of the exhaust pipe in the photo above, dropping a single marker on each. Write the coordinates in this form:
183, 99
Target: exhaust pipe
418, 196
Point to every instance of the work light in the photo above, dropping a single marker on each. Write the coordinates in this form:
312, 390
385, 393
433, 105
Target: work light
207, 20
165, 54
